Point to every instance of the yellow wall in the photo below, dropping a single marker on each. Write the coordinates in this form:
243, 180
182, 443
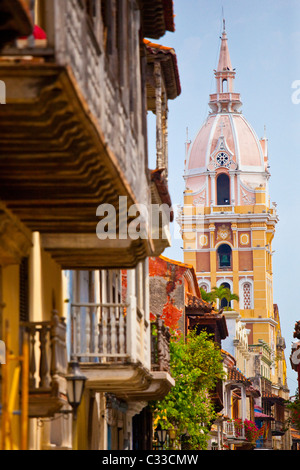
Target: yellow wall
45, 293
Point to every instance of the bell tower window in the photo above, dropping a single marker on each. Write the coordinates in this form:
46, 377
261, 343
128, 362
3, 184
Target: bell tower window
224, 256
223, 190
224, 302
224, 86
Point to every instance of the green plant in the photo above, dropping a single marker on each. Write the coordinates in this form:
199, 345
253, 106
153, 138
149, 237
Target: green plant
294, 408
196, 366
251, 431
220, 293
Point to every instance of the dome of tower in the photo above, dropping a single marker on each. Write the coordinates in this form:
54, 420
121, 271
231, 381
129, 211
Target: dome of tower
234, 135
226, 141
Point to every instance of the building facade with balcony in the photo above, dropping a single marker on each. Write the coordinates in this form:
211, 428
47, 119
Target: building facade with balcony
74, 149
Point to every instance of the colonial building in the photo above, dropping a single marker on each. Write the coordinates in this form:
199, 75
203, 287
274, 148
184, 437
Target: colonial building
79, 81
228, 223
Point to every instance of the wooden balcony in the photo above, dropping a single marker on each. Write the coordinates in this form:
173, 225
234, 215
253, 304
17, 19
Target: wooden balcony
233, 433
110, 342
161, 380
47, 366
73, 133
277, 428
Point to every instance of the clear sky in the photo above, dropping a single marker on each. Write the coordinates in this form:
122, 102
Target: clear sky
264, 45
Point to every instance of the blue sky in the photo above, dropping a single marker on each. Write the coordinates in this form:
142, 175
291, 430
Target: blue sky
264, 45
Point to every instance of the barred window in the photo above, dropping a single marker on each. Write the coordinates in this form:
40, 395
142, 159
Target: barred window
247, 295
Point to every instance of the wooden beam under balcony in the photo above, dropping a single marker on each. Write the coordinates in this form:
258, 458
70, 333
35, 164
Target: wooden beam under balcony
56, 167
15, 238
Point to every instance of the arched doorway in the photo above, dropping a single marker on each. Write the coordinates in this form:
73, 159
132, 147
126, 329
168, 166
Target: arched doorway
223, 190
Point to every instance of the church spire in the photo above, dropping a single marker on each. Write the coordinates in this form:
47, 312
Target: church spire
224, 58
224, 100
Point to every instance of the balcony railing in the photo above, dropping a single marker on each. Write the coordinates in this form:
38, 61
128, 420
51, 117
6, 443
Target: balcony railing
47, 365
99, 332
160, 346
48, 353
234, 431
277, 428
108, 333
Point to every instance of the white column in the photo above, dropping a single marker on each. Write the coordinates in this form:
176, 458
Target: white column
232, 188
243, 400
213, 188
147, 314
131, 319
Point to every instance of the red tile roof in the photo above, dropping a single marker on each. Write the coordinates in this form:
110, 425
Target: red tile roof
169, 67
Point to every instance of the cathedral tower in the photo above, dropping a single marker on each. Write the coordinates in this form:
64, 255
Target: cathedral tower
227, 221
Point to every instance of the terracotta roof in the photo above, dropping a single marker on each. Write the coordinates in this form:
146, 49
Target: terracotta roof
169, 67
259, 415
197, 303
295, 434
272, 397
235, 375
187, 266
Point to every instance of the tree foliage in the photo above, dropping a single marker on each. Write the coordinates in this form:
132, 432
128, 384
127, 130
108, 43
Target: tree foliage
196, 365
220, 293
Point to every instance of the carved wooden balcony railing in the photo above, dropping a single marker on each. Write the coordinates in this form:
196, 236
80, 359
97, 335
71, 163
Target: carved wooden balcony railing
160, 346
47, 365
278, 428
107, 332
110, 340
99, 332
233, 431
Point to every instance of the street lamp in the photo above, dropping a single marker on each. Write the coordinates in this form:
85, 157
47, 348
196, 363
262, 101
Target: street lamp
75, 386
161, 435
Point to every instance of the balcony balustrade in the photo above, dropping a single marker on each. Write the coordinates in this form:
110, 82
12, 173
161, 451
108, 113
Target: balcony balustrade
105, 333
110, 340
234, 431
47, 365
160, 346
277, 428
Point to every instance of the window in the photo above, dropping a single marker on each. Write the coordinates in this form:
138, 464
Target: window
224, 302
247, 295
224, 256
223, 189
